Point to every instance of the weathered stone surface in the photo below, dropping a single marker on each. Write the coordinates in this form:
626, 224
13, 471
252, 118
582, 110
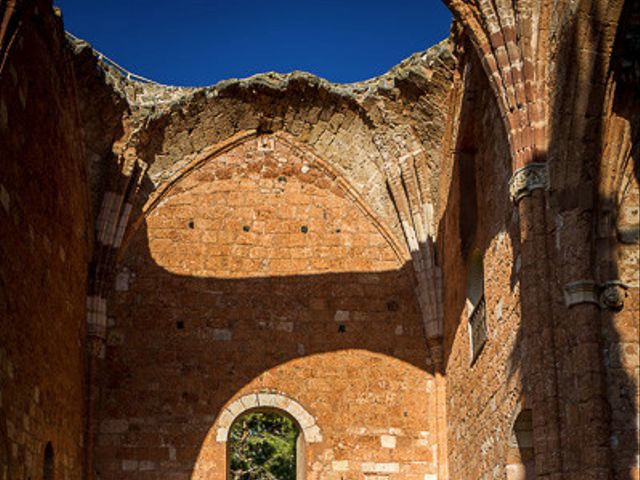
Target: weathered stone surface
282, 242
44, 249
225, 248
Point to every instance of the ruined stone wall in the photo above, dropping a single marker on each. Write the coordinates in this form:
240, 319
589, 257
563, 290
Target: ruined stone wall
618, 244
621, 332
554, 72
482, 396
44, 250
261, 270
356, 128
255, 273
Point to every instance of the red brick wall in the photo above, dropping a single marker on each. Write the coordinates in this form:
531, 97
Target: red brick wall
43, 256
481, 397
261, 304
519, 362
621, 330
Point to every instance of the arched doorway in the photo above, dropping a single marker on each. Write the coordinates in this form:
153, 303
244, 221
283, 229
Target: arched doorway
282, 410
264, 443
521, 462
48, 463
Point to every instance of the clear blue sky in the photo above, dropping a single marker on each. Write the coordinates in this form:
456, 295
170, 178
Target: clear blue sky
199, 42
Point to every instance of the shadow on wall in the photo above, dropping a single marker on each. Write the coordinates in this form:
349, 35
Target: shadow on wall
4, 448
478, 207
592, 177
577, 167
478, 245
618, 258
348, 345
582, 244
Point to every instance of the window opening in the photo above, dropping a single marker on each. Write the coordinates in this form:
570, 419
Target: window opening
476, 307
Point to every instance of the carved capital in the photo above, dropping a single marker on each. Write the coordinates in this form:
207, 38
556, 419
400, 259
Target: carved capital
582, 291
527, 179
608, 295
612, 295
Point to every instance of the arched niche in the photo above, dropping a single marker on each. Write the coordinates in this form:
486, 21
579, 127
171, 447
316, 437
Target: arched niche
48, 464
213, 160
521, 458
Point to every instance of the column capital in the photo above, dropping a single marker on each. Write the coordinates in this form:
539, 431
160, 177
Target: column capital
527, 179
581, 291
612, 295
609, 295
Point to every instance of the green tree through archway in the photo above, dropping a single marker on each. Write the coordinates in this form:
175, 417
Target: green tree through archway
262, 446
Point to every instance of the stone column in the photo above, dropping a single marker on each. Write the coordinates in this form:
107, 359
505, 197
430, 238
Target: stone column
440, 389
564, 374
540, 380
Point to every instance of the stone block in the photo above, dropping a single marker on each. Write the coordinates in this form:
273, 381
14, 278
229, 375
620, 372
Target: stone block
122, 281
375, 467
340, 465
225, 419
267, 399
250, 401
304, 418
222, 334
146, 466
236, 408
312, 434
388, 441
129, 465
221, 434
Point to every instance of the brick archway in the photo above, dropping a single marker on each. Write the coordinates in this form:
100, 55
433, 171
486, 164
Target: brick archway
268, 400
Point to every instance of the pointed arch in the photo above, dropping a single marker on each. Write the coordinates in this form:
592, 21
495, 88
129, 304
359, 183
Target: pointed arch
267, 142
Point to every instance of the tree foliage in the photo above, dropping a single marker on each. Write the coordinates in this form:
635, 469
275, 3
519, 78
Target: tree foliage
263, 447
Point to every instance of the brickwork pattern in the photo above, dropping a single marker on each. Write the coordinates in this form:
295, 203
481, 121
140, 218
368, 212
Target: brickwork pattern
259, 272
44, 249
482, 397
231, 262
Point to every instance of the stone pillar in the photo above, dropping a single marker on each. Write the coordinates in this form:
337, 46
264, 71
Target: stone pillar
110, 228
437, 360
538, 326
585, 433
563, 371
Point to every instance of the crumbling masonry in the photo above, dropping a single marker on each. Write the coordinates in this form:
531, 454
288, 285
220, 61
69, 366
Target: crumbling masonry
434, 272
